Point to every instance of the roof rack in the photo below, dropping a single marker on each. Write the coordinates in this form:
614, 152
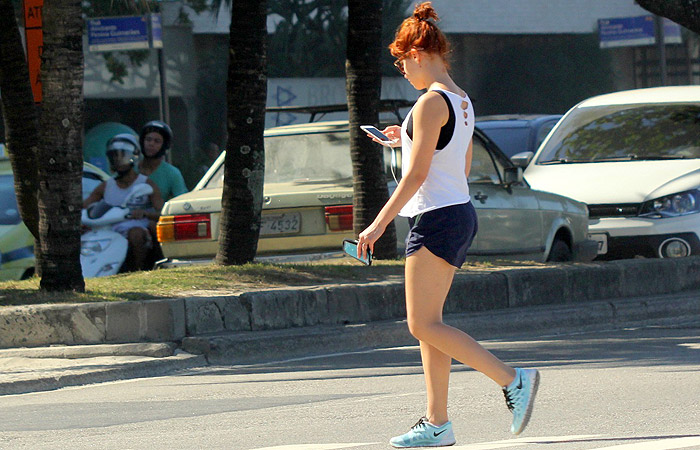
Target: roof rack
386, 105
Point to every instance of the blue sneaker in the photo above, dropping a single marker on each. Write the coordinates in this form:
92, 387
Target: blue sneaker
520, 396
425, 434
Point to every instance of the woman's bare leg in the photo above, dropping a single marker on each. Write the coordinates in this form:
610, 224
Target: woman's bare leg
428, 280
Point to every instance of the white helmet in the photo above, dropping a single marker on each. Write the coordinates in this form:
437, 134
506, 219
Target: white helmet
122, 149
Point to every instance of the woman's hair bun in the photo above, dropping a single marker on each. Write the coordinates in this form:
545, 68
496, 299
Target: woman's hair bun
425, 11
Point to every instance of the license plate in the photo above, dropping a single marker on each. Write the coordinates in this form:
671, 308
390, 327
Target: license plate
602, 240
286, 223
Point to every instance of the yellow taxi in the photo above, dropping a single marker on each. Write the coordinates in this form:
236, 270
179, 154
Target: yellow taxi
16, 242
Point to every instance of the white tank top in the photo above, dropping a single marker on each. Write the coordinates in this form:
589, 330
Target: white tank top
446, 183
115, 196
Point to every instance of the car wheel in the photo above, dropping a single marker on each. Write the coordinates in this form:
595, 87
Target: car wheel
560, 251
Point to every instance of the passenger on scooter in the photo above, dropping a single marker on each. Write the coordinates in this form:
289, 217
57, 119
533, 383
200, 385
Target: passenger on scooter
123, 152
155, 139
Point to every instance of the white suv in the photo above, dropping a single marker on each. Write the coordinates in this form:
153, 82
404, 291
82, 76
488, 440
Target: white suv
634, 158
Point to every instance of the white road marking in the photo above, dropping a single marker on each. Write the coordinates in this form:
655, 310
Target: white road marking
658, 444
517, 442
316, 446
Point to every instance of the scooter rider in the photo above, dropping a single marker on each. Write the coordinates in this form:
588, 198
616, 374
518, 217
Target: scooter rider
123, 152
156, 138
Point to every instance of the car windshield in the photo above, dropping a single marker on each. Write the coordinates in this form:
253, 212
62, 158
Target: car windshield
303, 159
625, 133
510, 140
9, 214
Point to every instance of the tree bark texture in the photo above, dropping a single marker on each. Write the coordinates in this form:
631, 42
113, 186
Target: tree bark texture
363, 85
683, 12
60, 158
244, 167
20, 117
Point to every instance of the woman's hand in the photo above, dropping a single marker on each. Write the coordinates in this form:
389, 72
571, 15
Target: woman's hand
393, 132
368, 237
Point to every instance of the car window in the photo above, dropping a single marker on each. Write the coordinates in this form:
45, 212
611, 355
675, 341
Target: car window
9, 213
484, 168
303, 159
626, 132
543, 132
510, 140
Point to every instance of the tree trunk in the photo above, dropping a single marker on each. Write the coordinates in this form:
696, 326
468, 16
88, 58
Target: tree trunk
244, 167
60, 158
20, 117
363, 85
683, 12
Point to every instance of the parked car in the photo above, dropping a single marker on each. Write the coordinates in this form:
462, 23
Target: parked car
634, 158
308, 203
517, 133
16, 242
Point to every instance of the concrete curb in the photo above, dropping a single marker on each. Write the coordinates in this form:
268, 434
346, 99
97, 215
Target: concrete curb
252, 347
176, 319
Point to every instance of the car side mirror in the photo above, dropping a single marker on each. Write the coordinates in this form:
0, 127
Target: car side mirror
512, 175
522, 159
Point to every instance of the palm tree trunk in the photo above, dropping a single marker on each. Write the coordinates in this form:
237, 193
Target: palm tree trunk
60, 146
363, 87
244, 167
683, 12
20, 117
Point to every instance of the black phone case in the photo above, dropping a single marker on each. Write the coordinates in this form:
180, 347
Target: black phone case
350, 248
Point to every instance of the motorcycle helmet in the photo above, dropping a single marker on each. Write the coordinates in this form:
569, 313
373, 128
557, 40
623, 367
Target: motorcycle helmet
161, 128
122, 149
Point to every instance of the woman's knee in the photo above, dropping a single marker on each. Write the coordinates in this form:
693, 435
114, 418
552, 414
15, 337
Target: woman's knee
419, 327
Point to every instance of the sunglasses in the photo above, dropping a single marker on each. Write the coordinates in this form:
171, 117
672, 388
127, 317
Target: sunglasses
399, 61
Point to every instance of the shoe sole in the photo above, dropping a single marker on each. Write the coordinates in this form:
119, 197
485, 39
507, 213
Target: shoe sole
427, 446
530, 404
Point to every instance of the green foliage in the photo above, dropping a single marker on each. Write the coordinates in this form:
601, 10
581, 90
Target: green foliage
310, 38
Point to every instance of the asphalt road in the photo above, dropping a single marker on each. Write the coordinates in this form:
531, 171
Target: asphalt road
628, 389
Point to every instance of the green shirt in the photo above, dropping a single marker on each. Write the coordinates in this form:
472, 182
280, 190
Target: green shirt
169, 180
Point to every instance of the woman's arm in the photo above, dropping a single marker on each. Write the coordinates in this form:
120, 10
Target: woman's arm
429, 115
96, 195
468, 162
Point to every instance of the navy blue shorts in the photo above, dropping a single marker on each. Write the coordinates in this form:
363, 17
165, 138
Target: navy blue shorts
447, 232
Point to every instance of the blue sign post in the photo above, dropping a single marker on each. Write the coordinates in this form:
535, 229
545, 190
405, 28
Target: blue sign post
106, 34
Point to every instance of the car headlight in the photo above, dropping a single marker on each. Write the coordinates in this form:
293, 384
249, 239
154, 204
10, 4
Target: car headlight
674, 205
91, 247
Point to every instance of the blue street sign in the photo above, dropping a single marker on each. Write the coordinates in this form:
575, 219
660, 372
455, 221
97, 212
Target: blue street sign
117, 33
106, 34
635, 31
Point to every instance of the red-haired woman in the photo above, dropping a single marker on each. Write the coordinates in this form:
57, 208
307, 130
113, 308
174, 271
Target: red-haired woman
436, 140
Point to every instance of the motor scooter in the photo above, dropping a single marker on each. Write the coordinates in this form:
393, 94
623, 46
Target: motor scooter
102, 250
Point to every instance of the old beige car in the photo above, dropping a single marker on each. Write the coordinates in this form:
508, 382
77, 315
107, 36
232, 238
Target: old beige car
307, 208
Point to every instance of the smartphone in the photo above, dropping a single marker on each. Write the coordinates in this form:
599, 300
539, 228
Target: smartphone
374, 131
350, 248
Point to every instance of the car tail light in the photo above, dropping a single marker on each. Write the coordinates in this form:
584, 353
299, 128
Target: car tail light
339, 218
185, 227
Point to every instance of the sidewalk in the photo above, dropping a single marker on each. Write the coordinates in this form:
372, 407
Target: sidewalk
36, 369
